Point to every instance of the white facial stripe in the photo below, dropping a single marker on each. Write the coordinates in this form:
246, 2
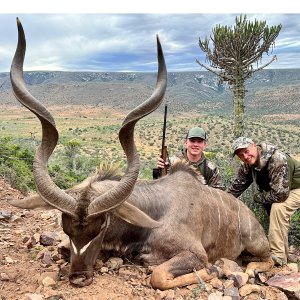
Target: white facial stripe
84, 248
74, 248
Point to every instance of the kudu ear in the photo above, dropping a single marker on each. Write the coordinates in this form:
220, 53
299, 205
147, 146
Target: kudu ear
135, 216
31, 202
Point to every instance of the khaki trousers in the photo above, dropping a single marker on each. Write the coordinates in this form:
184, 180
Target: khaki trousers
280, 218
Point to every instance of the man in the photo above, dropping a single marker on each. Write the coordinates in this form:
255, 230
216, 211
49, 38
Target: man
194, 146
277, 178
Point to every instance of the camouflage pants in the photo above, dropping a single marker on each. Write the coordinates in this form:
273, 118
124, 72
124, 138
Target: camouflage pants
280, 218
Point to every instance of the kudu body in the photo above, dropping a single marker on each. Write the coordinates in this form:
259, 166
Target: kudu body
175, 222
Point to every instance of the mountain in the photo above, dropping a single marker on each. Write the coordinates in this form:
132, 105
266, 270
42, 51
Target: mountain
268, 91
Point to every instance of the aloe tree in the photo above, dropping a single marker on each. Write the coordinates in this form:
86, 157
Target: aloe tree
235, 50
72, 151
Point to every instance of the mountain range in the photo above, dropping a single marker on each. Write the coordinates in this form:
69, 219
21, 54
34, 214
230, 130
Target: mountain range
268, 91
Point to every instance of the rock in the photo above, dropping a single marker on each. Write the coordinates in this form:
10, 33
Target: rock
216, 283
55, 297
114, 263
233, 293
5, 215
37, 237
228, 284
31, 242
4, 277
48, 281
274, 293
15, 219
293, 267
215, 296
166, 295
48, 238
262, 277
52, 275
48, 215
228, 266
104, 270
124, 272
33, 297
9, 260
290, 284
170, 295
47, 259
63, 247
250, 288
239, 278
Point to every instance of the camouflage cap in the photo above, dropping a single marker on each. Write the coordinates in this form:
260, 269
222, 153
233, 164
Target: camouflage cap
196, 132
241, 143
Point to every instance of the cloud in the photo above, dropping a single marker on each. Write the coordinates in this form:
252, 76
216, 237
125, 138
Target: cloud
127, 42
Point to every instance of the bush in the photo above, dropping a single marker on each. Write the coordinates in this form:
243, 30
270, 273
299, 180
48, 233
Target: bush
16, 164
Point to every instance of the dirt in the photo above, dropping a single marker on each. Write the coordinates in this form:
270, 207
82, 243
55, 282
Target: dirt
23, 263
21, 268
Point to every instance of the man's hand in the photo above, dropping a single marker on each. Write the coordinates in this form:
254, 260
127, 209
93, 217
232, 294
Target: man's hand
161, 163
259, 198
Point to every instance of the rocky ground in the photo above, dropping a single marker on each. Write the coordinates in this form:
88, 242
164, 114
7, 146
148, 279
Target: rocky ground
34, 266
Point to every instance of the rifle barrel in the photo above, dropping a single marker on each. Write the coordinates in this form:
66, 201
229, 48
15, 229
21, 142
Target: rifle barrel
164, 133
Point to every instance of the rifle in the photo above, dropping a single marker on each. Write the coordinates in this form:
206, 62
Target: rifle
163, 144
157, 172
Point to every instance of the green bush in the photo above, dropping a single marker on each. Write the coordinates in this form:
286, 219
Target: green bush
294, 233
16, 164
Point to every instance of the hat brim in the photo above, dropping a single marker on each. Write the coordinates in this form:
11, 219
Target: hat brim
240, 147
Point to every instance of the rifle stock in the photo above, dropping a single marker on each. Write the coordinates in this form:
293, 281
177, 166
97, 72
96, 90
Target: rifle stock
163, 171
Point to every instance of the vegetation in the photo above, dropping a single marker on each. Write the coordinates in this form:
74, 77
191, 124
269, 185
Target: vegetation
16, 164
94, 140
235, 50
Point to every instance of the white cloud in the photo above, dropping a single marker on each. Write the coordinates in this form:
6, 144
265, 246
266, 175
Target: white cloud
118, 42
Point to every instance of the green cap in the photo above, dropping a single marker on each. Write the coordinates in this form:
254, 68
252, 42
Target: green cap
241, 143
196, 132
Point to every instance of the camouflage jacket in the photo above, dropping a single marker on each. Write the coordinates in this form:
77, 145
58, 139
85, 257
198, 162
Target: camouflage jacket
207, 169
275, 175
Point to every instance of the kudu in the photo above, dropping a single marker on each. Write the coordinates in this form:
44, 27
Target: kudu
176, 223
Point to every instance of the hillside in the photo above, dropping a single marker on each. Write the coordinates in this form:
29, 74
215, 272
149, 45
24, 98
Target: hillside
269, 91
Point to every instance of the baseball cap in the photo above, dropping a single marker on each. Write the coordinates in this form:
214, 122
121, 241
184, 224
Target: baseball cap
196, 132
241, 143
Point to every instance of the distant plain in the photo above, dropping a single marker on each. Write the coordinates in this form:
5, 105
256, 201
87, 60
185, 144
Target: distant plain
90, 107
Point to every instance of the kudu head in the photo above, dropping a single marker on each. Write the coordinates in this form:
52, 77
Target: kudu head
85, 215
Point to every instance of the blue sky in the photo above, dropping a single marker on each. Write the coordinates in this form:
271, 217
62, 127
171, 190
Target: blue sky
86, 38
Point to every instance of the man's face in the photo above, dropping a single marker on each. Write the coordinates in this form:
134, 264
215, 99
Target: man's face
195, 146
248, 155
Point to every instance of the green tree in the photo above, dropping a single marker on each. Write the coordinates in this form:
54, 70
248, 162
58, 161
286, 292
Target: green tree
235, 50
72, 152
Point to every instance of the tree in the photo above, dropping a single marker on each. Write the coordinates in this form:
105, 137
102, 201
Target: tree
234, 52
72, 151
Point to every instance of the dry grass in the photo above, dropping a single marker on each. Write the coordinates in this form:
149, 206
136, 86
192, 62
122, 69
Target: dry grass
97, 128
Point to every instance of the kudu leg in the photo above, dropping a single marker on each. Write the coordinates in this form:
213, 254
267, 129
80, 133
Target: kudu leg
259, 248
262, 266
178, 271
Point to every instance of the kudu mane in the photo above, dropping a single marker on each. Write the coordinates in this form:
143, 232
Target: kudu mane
107, 172
183, 166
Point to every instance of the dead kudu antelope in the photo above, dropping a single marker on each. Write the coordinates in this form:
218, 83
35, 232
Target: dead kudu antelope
176, 222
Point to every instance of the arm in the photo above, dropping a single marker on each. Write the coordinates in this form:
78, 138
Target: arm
214, 180
279, 181
242, 181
